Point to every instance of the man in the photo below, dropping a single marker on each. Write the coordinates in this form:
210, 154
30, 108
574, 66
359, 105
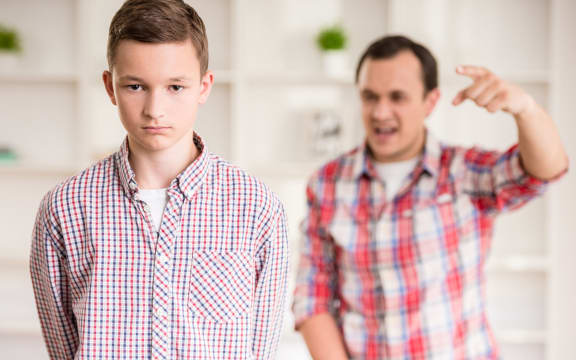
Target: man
162, 250
398, 229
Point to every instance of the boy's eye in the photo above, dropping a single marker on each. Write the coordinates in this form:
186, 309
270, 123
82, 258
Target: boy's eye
176, 88
134, 87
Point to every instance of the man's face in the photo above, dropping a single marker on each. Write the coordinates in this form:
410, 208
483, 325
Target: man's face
157, 88
394, 106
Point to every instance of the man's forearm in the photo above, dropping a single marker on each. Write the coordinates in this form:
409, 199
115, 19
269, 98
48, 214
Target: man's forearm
323, 338
541, 149
540, 145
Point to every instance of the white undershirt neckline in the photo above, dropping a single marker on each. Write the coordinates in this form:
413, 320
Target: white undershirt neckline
393, 174
156, 199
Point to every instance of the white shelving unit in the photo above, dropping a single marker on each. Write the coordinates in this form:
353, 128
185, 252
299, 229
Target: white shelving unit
268, 83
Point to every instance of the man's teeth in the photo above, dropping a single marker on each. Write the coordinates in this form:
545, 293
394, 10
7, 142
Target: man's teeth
385, 130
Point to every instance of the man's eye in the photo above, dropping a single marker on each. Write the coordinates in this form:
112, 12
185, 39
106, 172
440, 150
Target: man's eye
369, 97
176, 88
134, 87
397, 97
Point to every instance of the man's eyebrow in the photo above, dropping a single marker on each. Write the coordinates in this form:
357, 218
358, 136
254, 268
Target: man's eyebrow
369, 92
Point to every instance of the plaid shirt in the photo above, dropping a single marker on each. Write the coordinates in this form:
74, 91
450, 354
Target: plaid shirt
209, 285
405, 279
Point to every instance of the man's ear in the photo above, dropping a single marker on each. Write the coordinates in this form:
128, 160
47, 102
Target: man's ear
431, 100
206, 86
109, 85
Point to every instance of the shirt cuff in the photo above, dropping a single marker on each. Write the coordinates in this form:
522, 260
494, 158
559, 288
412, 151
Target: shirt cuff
522, 176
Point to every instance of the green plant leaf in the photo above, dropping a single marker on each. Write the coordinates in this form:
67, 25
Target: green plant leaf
9, 39
331, 38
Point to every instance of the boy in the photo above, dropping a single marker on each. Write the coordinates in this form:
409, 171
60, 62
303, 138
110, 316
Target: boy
162, 250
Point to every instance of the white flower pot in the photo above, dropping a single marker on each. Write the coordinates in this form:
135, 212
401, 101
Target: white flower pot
335, 63
9, 62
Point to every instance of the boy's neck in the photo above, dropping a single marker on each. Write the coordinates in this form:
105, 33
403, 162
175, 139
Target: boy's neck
157, 169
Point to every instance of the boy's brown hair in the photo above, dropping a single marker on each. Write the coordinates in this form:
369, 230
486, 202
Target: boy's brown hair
158, 21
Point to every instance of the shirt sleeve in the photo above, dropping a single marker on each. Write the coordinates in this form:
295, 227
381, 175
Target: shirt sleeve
498, 182
271, 283
49, 275
316, 278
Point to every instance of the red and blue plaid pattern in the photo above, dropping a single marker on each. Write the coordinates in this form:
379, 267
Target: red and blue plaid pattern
405, 279
211, 284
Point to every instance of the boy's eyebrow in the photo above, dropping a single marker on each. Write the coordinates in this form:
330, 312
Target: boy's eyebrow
180, 79
130, 78
135, 78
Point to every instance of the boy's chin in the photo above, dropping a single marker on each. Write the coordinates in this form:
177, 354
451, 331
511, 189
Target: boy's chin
152, 143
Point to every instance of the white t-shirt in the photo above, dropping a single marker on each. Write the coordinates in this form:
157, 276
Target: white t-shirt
394, 173
156, 200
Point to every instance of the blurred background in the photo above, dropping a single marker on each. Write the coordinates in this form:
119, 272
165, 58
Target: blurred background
281, 106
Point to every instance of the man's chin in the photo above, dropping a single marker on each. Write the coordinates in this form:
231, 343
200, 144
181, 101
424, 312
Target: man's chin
389, 153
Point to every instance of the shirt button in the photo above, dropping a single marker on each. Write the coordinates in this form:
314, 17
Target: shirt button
160, 312
163, 258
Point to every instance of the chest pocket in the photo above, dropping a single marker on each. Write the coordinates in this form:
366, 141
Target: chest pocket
444, 238
221, 285
350, 226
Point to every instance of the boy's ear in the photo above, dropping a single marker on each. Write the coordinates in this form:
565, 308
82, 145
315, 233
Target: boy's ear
109, 85
206, 86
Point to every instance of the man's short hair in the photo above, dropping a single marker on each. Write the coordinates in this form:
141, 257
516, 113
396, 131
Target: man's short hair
389, 46
158, 21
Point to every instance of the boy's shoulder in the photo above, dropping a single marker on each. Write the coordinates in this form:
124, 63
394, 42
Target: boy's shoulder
236, 182
81, 187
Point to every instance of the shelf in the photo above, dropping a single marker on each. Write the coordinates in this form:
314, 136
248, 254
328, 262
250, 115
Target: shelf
515, 76
317, 78
42, 170
298, 78
14, 263
289, 170
20, 328
520, 337
224, 77
534, 264
34, 79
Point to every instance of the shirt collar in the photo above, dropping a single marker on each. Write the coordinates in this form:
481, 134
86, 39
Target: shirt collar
188, 181
429, 162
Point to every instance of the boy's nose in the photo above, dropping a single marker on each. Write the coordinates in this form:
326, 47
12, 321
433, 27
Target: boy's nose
154, 106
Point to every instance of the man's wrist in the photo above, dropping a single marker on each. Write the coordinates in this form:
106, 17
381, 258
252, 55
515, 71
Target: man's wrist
530, 111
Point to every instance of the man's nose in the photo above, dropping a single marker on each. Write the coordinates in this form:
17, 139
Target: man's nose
382, 110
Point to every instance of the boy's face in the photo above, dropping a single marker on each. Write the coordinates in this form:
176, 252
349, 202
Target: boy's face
394, 106
157, 88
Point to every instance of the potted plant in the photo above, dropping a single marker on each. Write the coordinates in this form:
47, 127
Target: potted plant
332, 42
9, 48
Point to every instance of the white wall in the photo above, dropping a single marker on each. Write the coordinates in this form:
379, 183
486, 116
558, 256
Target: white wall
54, 111
562, 306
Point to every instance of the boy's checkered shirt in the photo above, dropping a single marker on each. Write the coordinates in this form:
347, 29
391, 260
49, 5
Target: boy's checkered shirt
211, 284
